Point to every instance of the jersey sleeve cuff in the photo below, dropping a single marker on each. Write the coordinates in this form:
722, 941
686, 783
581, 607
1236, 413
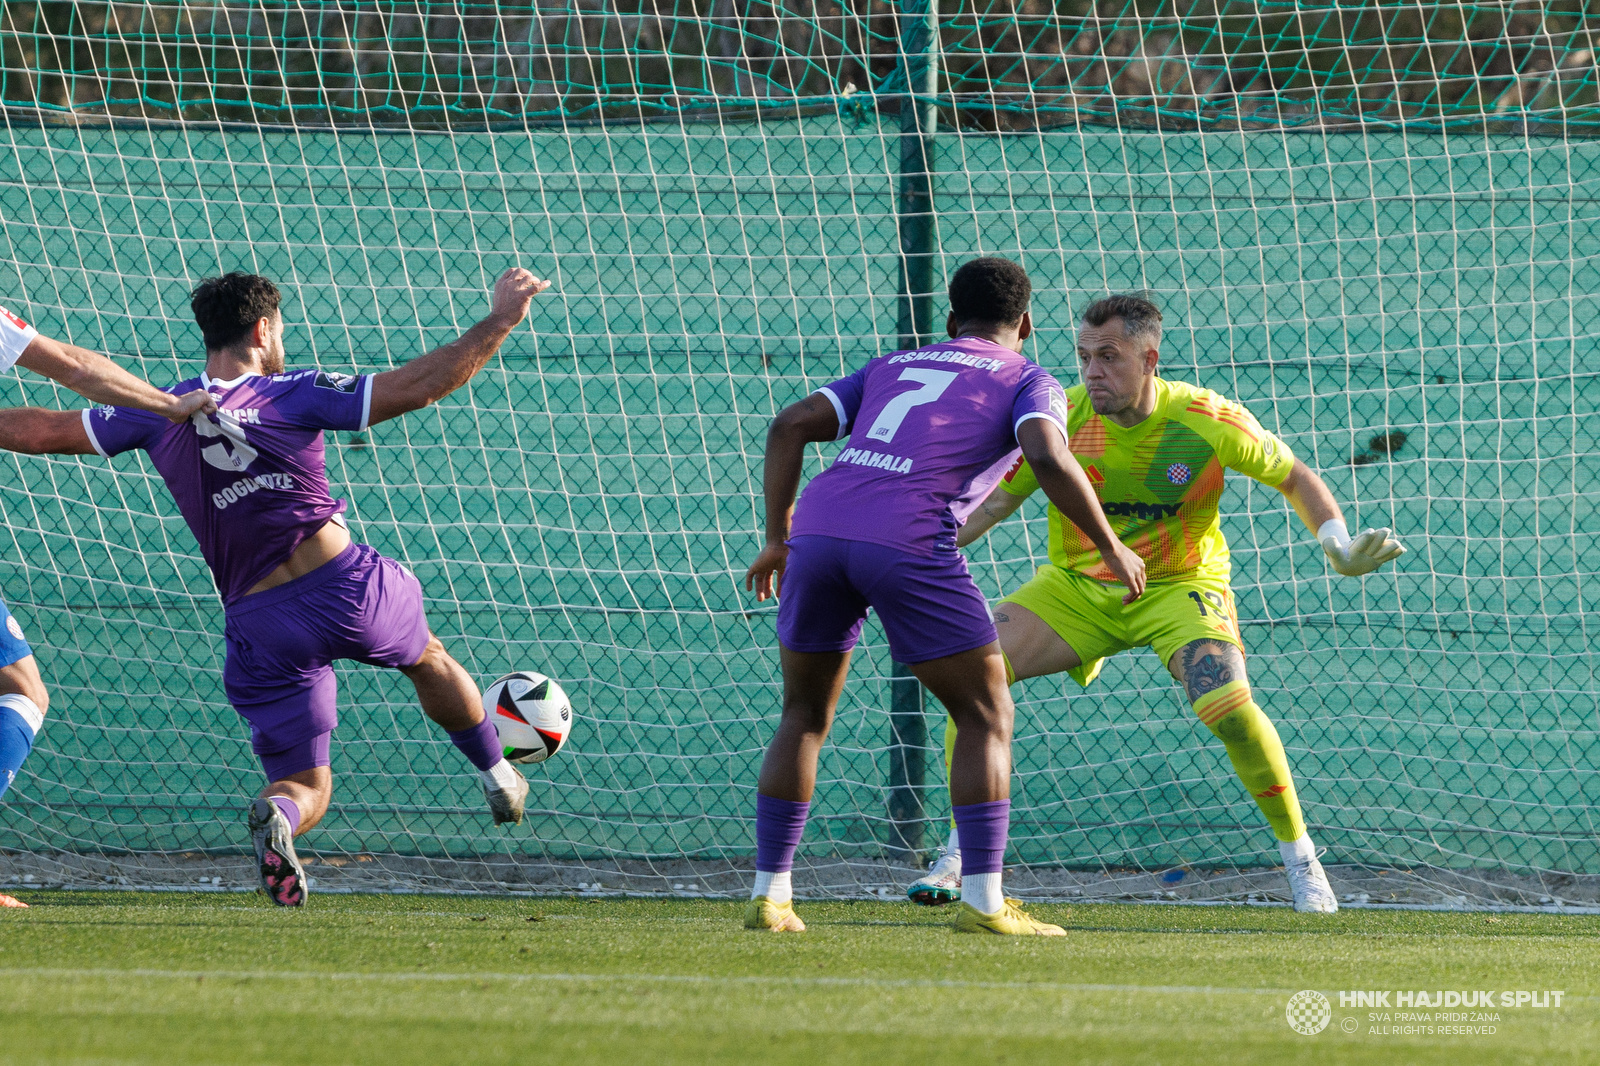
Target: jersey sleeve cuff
15, 336
366, 402
88, 429
1046, 415
838, 409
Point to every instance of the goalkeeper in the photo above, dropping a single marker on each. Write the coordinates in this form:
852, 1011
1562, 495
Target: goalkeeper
1155, 451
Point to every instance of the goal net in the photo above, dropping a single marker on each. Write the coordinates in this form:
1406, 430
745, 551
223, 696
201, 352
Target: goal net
1377, 229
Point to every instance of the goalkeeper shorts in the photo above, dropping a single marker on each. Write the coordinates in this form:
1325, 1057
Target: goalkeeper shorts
1091, 617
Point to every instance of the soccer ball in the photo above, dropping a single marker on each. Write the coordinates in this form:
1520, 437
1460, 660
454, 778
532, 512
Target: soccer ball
531, 714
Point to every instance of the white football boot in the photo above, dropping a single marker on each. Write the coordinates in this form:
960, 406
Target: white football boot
1312, 893
941, 884
283, 878
508, 799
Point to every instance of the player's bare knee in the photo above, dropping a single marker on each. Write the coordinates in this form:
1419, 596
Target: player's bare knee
434, 660
993, 718
806, 717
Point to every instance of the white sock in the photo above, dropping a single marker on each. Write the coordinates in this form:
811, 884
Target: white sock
983, 891
501, 775
1299, 851
954, 847
779, 888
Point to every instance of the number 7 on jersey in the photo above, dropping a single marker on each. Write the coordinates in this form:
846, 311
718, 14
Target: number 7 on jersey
933, 382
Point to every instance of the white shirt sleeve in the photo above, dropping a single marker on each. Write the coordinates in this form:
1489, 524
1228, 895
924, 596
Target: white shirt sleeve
15, 336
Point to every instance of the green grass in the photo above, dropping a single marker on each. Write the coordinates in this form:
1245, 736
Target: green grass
132, 978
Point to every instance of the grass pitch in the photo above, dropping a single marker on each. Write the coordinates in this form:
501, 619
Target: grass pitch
174, 979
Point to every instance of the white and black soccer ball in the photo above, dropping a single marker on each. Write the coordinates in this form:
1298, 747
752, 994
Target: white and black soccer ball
531, 713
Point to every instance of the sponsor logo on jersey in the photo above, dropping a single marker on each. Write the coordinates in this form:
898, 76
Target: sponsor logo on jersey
1179, 473
337, 382
246, 485
1148, 512
1094, 474
13, 628
1011, 475
15, 321
862, 457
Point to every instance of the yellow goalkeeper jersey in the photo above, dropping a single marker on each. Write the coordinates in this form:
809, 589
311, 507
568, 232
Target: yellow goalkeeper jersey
1161, 480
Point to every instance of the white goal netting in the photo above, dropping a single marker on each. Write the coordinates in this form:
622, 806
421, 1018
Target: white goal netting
1407, 297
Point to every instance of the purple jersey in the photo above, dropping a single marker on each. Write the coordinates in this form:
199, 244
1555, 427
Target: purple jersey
931, 432
251, 480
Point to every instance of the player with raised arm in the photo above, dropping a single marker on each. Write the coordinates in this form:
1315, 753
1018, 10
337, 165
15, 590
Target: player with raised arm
930, 433
1155, 451
251, 481
23, 697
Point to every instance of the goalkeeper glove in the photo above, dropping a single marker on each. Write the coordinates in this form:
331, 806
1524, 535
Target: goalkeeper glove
1364, 554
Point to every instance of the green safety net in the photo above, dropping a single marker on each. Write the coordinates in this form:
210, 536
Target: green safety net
1409, 305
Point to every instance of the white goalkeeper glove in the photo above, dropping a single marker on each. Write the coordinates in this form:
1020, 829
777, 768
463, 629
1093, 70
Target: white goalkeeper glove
1364, 554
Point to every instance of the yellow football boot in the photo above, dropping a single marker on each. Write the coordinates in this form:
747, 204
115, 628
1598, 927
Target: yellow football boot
1009, 920
778, 917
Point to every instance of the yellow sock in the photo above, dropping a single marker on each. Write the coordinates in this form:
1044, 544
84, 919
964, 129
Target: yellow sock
950, 751
1256, 753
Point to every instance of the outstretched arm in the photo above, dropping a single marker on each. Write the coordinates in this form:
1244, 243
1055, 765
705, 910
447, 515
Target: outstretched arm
96, 378
1063, 480
998, 506
35, 431
1314, 503
430, 378
811, 421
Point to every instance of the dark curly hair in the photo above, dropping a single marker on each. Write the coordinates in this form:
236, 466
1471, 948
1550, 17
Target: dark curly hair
1140, 316
227, 308
989, 291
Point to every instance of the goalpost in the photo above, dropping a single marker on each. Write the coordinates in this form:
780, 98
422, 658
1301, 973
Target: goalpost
1378, 233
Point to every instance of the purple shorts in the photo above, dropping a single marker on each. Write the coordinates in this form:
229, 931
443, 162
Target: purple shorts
306, 755
929, 607
282, 644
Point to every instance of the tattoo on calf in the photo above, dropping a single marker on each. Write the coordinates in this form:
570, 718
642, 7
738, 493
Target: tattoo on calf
1208, 666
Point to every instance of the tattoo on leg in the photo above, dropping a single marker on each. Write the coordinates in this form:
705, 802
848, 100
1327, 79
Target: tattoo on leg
1208, 665
1001, 616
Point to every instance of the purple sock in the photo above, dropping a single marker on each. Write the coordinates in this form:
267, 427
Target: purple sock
291, 811
480, 744
982, 828
779, 825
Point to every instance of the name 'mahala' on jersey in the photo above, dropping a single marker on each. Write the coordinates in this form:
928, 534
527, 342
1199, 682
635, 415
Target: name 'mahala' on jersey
1160, 481
251, 480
